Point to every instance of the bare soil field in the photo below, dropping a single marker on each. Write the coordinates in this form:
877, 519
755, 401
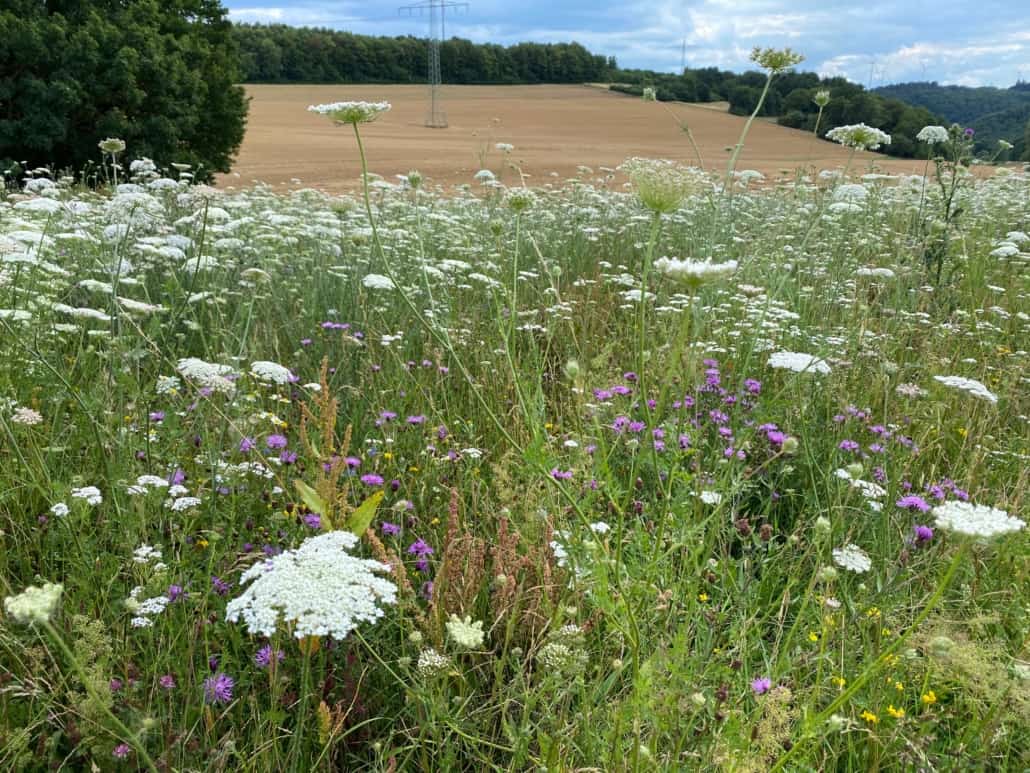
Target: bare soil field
554, 129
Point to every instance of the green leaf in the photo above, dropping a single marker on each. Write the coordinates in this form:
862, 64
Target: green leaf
311, 498
361, 519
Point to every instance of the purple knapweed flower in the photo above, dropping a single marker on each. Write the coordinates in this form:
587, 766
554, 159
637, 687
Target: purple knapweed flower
761, 685
276, 442
390, 529
218, 688
371, 479
923, 534
913, 503
247, 444
263, 657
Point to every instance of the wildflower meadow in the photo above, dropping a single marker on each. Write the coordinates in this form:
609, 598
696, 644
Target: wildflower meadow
664, 467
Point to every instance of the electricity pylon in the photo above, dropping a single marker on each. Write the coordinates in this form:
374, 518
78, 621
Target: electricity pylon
436, 118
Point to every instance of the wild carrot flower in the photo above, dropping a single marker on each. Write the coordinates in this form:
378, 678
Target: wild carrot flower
351, 112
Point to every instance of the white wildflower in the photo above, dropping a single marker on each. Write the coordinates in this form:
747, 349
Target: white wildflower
798, 362
975, 520
972, 386
59, 509
91, 494
207, 374
859, 136
271, 371
694, 273
431, 663
318, 588
933, 135
852, 558
465, 633
351, 112
377, 282
26, 416
34, 604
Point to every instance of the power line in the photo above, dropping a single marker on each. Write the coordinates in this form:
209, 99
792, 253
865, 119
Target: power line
436, 118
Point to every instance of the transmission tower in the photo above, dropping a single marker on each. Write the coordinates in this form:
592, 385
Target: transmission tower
436, 118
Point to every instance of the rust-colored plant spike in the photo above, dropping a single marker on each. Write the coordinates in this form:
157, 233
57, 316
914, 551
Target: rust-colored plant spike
463, 560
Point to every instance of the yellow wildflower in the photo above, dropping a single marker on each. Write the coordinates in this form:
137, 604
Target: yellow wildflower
869, 717
896, 713
929, 698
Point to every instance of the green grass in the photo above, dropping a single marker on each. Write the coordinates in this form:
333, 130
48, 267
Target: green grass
627, 646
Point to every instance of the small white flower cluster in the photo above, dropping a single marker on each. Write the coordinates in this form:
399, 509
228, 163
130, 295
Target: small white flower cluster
145, 611
799, 362
852, 558
351, 112
26, 416
319, 588
859, 136
875, 272
167, 384
145, 554
972, 386
145, 483
91, 494
694, 273
271, 371
466, 634
182, 504
975, 520
710, 497
871, 491
519, 199
431, 663
34, 604
207, 374
933, 135
59, 509
377, 282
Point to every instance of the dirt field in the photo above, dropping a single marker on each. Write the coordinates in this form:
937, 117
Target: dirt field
553, 129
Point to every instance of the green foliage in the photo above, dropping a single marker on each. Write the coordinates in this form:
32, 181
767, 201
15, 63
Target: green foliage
995, 114
158, 74
281, 54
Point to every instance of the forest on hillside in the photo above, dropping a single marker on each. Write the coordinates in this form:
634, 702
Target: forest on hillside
994, 113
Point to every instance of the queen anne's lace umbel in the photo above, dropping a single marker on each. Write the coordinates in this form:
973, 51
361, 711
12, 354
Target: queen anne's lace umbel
975, 520
319, 588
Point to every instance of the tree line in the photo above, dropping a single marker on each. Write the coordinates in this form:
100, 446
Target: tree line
280, 54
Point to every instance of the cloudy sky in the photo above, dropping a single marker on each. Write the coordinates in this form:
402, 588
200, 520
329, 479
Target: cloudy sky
873, 42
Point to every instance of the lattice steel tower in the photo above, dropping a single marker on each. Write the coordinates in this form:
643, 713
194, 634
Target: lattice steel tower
436, 118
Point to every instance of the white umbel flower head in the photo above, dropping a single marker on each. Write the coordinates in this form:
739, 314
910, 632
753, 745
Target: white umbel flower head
319, 588
852, 558
212, 375
694, 273
466, 634
661, 184
970, 385
859, 136
431, 662
351, 112
377, 282
799, 362
933, 135
975, 520
271, 372
34, 604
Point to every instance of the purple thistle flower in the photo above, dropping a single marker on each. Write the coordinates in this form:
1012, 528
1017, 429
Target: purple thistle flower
352, 462
923, 534
848, 445
390, 529
313, 521
121, 751
115, 685
167, 682
263, 657
157, 416
221, 587
174, 592
218, 688
913, 503
561, 474
276, 442
761, 685
247, 444
371, 479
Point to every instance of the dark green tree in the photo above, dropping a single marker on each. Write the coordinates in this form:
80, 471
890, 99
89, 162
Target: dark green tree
159, 74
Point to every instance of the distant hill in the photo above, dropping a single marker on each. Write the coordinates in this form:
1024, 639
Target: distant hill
995, 114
